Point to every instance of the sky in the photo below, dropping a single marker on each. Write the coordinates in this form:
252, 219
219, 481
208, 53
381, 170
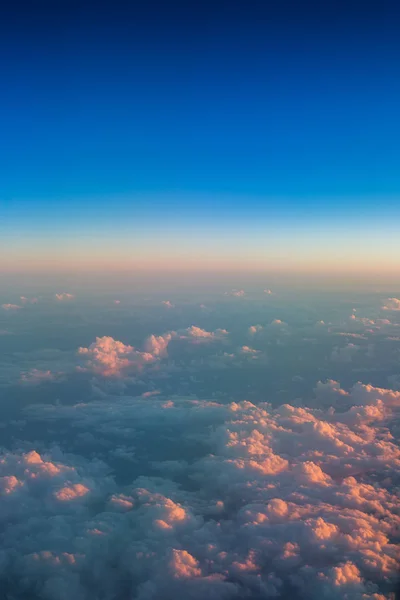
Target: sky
199, 300
224, 137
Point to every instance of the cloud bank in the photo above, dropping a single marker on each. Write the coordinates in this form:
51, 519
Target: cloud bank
263, 502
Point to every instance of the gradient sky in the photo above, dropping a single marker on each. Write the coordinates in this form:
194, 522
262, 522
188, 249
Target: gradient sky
205, 135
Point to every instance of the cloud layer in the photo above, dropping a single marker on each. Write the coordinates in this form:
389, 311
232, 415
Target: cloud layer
262, 502
168, 458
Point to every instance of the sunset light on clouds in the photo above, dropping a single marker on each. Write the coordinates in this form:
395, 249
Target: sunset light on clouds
199, 301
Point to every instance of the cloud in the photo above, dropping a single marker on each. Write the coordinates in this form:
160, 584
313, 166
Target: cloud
157, 345
198, 334
268, 292
151, 393
391, 304
266, 500
37, 376
276, 325
161, 496
11, 306
248, 350
236, 293
253, 329
109, 357
345, 354
64, 296
25, 300
168, 304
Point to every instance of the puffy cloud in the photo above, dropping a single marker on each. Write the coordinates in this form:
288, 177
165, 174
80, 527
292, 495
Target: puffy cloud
207, 498
109, 357
253, 329
10, 306
276, 326
391, 304
248, 350
198, 334
268, 292
267, 499
64, 296
278, 323
157, 345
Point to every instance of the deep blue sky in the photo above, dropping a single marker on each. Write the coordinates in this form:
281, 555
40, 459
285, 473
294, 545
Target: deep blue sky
254, 104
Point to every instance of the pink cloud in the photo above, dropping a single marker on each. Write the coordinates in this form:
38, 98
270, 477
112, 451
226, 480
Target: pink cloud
109, 357
11, 307
25, 300
64, 296
167, 304
391, 304
286, 496
36, 376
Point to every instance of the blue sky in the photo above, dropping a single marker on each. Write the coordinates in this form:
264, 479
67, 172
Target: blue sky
224, 113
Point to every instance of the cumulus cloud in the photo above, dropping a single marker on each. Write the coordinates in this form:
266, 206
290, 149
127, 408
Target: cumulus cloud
391, 304
276, 325
157, 345
248, 350
109, 357
198, 334
253, 329
161, 496
268, 499
64, 296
